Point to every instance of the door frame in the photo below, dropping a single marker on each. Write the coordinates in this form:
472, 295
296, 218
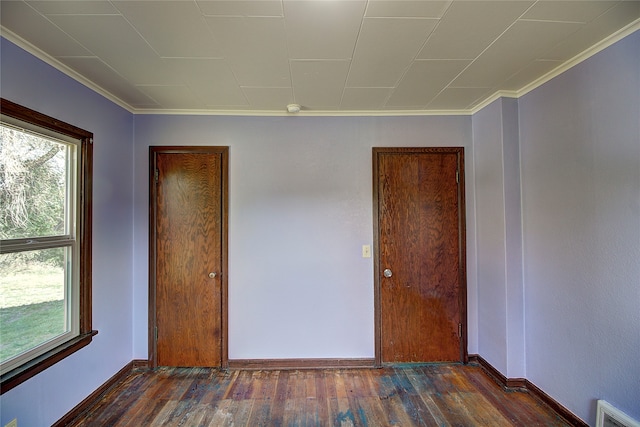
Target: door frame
224, 210
462, 271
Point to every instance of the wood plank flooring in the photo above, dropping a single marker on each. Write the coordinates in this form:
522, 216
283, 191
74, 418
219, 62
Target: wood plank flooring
413, 395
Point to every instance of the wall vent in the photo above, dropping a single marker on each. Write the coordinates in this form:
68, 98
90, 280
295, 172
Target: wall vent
609, 416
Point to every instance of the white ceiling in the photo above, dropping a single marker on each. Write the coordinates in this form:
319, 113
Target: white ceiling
329, 56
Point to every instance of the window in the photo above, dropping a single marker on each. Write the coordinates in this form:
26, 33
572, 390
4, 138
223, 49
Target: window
45, 242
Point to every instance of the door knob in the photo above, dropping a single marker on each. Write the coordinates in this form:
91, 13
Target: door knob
212, 275
387, 273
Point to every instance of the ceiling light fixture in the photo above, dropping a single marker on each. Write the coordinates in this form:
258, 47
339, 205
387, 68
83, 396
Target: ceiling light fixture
293, 108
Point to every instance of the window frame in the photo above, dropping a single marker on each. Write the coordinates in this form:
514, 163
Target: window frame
37, 364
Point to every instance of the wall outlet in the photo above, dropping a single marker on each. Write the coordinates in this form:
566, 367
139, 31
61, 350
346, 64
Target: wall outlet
12, 423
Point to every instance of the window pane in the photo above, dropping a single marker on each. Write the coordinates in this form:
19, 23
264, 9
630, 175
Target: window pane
33, 185
33, 303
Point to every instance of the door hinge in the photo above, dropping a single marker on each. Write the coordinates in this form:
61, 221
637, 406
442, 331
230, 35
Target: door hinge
459, 330
458, 177
156, 175
156, 333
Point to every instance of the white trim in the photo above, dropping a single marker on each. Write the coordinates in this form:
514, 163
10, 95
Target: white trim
613, 38
497, 95
45, 57
308, 113
604, 408
588, 53
601, 45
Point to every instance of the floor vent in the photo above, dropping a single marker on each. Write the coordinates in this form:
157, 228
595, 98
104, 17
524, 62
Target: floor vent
608, 416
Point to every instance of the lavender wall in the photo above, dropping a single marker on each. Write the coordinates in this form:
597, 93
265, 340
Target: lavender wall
49, 395
499, 238
491, 235
580, 151
300, 211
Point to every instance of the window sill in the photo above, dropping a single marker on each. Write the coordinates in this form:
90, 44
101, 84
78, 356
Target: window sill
22, 373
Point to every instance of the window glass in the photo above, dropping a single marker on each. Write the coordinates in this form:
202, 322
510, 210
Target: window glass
39, 263
34, 303
34, 184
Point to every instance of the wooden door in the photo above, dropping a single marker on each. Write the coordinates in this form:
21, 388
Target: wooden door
419, 219
188, 242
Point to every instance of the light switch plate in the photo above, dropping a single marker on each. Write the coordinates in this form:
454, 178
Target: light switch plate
366, 251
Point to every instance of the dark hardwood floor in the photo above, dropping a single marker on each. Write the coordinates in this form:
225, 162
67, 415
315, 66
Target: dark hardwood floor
424, 395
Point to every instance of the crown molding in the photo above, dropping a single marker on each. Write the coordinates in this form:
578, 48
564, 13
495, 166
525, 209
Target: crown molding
588, 53
307, 113
495, 96
581, 57
50, 60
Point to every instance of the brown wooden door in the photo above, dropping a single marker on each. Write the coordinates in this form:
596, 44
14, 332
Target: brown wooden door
420, 241
189, 210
